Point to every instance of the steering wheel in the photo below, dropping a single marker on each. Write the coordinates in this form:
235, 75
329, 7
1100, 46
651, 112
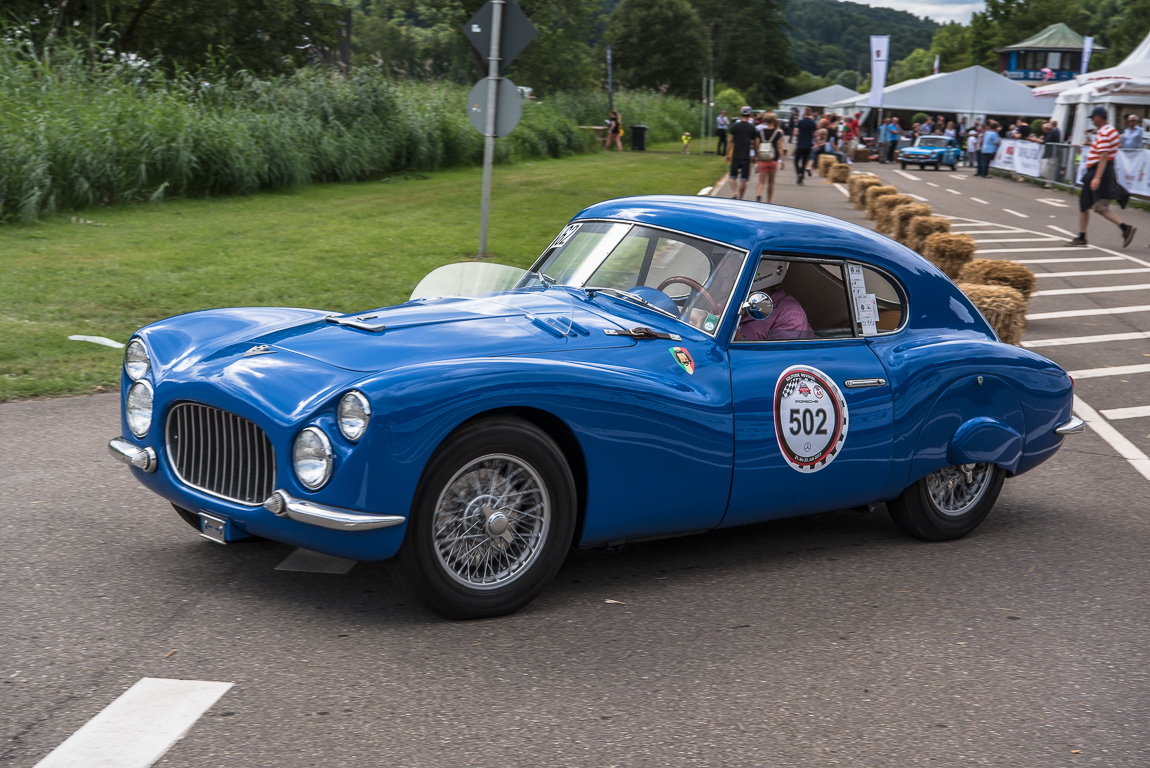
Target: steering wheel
691, 282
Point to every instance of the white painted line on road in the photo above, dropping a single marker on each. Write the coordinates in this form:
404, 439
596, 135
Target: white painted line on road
919, 198
1003, 231
906, 175
1117, 370
1020, 240
843, 189
1066, 232
135, 730
953, 191
1126, 449
957, 176
931, 184
315, 562
1016, 213
103, 341
1053, 201
1059, 260
979, 200
1091, 272
1089, 312
1099, 339
1095, 289
1134, 412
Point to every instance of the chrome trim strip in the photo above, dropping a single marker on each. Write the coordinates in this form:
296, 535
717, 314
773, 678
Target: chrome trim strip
1072, 427
132, 455
283, 504
864, 383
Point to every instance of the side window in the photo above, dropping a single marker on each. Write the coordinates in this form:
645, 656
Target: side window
810, 300
878, 303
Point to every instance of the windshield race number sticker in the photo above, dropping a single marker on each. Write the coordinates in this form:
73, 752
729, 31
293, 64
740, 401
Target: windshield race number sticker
810, 418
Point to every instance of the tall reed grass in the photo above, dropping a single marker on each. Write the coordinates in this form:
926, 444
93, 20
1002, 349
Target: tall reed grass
78, 130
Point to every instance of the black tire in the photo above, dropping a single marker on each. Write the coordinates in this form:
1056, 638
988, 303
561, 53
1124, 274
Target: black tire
922, 509
519, 553
937, 167
953, 167
922, 166
903, 166
189, 517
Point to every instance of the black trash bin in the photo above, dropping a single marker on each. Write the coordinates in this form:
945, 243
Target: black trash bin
639, 138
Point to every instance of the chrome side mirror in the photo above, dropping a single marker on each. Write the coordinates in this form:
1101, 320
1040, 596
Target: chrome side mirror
758, 306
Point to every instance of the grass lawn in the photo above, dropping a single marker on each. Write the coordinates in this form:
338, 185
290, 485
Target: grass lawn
340, 247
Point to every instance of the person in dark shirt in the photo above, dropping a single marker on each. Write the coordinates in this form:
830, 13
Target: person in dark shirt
804, 143
742, 137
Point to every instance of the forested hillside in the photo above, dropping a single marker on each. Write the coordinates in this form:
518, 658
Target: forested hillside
829, 35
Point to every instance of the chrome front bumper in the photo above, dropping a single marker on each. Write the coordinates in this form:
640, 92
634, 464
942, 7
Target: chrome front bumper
283, 504
1072, 427
132, 455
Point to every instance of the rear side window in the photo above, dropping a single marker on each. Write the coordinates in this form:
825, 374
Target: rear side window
878, 303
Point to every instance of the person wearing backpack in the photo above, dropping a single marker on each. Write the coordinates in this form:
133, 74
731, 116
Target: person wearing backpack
769, 152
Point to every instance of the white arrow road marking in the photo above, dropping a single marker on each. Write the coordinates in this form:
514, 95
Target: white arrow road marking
135, 730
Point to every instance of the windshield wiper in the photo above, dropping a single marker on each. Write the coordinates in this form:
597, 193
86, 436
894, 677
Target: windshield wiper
629, 296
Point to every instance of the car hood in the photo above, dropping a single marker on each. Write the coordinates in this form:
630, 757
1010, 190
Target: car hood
428, 330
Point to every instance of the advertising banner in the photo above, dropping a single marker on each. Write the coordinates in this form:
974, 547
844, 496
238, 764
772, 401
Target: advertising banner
1023, 157
879, 49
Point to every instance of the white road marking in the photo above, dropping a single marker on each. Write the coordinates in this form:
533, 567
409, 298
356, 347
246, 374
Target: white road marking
1092, 272
931, 184
135, 730
957, 176
1016, 213
1117, 370
1089, 312
1020, 240
101, 340
953, 191
1004, 231
843, 189
1095, 289
1134, 412
315, 562
1066, 232
906, 175
979, 200
1058, 260
1053, 201
1099, 339
1126, 449
919, 198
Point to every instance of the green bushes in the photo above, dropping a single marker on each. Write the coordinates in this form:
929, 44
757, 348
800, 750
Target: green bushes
76, 132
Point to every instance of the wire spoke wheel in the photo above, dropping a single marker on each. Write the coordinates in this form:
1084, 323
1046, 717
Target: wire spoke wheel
956, 490
491, 521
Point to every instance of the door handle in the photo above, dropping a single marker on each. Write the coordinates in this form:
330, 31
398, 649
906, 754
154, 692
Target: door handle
864, 383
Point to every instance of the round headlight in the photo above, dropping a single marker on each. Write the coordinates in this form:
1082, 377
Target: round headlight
136, 361
311, 456
138, 408
354, 414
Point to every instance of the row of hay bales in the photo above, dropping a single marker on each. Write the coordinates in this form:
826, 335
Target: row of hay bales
999, 288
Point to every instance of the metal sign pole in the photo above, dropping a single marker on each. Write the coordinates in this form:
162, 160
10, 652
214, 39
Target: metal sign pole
489, 134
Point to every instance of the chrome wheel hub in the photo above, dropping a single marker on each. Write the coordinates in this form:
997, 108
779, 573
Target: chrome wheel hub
491, 521
955, 490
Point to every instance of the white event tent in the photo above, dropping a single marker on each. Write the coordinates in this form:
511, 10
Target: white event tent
1127, 84
822, 98
973, 93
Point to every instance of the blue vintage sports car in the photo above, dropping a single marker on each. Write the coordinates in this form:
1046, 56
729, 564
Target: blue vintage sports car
931, 150
668, 365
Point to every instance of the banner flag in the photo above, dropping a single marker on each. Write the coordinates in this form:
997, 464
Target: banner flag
879, 47
936, 63
1087, 49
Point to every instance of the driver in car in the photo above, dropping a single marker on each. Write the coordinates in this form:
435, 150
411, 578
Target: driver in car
788, 319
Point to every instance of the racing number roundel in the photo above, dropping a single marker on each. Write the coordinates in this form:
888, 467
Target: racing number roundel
810, 418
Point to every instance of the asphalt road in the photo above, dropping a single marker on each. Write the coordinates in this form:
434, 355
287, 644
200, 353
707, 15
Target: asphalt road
828, 640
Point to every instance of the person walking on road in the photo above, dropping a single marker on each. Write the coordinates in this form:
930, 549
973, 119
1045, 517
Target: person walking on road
1100, 183
769, 154
804, 143
722, 123
739, 152
893, 134
987, 148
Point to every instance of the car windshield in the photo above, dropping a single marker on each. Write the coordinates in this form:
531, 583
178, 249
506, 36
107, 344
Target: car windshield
686, 277
932, 141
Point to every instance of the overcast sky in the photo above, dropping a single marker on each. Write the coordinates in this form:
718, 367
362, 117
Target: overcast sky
939, 10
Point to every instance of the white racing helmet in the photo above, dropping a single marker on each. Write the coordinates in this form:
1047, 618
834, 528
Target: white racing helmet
770, 273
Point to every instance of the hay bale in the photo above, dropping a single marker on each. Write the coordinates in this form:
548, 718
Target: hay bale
884, 209
1002, 306
872, 196
858, 187
999, 272
839, 173
902, 216
922, 226
824, 164
949, 252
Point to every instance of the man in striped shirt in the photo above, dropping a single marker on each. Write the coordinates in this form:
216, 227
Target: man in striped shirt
1100, 184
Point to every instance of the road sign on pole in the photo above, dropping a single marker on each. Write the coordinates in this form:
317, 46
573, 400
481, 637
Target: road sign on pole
503, 30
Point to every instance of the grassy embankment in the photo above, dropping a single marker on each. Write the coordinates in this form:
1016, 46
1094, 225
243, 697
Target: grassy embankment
342, 247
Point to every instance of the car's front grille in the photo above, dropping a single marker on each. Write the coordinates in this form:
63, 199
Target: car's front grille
220, 453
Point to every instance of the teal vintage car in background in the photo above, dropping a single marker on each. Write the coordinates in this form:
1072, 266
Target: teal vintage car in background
931, 150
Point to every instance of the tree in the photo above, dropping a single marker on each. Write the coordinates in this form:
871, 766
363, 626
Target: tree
658, 44
951, 45
750, 48
918, 64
